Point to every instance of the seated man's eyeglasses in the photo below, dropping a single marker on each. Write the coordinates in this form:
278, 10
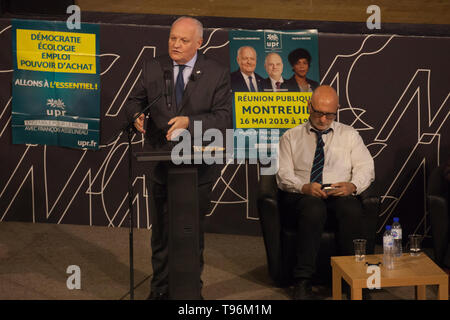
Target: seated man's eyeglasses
319, 114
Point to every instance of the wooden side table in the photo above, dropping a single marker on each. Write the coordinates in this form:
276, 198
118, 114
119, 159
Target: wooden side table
417, 271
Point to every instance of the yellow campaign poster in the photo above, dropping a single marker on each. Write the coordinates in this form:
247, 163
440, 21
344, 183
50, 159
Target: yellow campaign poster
272, 110
56, 51
56, 84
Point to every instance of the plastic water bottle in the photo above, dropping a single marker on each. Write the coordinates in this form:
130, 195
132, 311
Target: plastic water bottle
397, 235
388, 249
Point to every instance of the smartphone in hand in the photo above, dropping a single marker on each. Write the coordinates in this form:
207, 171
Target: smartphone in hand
327, 187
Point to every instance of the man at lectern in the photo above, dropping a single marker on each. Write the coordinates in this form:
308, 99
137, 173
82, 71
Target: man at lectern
193, 88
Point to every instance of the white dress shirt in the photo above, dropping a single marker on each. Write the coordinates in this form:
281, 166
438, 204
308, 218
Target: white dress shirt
347, 159
247, 81
189, 67
274, 84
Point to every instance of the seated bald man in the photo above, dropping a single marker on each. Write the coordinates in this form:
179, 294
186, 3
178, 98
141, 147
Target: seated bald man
322, 151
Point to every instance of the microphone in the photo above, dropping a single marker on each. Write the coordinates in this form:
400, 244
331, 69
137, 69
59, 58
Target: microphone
144, 111
168, 87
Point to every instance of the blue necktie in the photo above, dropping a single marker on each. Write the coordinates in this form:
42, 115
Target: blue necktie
252, 87
319, 158
179, 85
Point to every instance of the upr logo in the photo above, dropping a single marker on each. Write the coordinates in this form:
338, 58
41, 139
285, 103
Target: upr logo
57, 107
84, 144
272, 40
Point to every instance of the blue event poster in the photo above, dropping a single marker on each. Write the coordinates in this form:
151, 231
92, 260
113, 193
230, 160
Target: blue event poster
56, 84
273, 74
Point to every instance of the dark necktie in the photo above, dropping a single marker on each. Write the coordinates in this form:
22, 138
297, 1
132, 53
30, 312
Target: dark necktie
179, 85
252, 87
319, 157
278, 84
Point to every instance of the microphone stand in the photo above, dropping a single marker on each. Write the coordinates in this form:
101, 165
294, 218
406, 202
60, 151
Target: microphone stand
130, 131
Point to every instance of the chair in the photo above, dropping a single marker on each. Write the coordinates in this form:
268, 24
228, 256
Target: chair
437, 202
280, 241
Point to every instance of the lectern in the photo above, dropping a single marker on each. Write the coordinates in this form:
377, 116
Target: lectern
183, 206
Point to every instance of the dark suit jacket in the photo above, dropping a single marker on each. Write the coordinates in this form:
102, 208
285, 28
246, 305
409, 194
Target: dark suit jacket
267, 85
238, 83
292, 86
207, 98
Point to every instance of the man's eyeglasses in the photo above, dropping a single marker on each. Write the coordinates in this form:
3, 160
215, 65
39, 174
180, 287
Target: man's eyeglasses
319, 114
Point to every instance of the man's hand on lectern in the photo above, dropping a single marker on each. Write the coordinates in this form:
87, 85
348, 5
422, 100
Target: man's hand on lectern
139, 123
181, 122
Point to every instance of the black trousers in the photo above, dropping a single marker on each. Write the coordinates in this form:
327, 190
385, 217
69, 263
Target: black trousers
160, 232
310, 216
